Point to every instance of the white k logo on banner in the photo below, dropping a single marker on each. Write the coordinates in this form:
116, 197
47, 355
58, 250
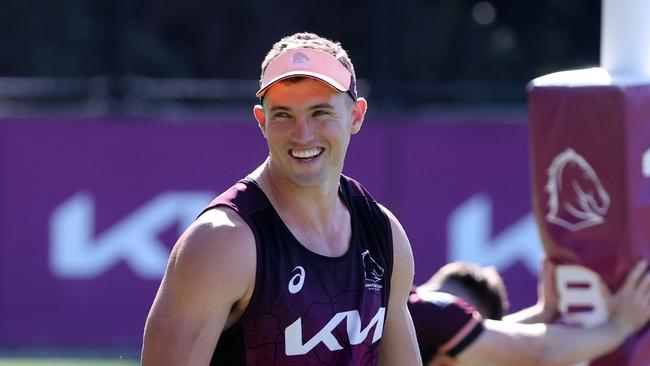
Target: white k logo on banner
645, 164
77, 252
470, 237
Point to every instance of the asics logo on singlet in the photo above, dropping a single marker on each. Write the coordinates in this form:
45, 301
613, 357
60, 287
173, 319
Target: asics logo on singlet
296, 282
294, 345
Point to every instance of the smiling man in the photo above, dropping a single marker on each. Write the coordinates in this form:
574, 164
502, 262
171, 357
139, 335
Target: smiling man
296, 263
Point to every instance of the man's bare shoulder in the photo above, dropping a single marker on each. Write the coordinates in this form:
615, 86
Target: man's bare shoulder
390, 215
219, 246
400, 240
209, 277
218, 227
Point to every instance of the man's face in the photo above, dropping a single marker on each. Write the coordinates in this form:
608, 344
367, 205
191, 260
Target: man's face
308, 125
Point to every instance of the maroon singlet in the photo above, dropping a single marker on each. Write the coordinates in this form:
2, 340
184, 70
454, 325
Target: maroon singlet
309, 309
443, 323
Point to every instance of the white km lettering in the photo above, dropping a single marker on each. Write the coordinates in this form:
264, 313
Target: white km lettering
296, 282
356, 335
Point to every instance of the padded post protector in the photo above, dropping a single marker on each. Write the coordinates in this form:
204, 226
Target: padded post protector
590, 150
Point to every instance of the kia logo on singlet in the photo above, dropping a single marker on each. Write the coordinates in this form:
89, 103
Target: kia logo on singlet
293, 333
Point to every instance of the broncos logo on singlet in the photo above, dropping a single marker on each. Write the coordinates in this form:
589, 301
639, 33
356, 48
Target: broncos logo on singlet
372, 270
577, 199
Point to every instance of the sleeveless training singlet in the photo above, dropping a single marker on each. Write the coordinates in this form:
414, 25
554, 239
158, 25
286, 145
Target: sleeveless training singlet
443, 323
309, 309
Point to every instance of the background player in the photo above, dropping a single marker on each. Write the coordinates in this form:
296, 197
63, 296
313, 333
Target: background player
481, 287
451, 332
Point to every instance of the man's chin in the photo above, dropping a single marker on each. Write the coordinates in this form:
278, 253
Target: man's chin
309, 180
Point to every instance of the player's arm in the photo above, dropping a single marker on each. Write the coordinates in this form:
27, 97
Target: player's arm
545, 310
399, 345
211, 267
505, 343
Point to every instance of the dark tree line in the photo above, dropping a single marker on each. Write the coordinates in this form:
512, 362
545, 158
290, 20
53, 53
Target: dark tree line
396, 45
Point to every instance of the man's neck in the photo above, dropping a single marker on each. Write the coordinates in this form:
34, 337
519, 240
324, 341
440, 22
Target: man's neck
315, 215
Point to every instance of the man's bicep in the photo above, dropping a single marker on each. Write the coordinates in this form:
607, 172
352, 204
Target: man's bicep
209, 270
399, 344
403, 266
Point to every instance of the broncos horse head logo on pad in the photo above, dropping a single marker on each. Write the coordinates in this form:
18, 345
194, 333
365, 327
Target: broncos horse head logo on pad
577, 199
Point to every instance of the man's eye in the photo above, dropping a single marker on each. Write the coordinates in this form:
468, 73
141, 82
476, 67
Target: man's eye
321, 113
281, 115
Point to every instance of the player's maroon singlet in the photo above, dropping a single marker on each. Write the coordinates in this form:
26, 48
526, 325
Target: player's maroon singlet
443, 323
309, 309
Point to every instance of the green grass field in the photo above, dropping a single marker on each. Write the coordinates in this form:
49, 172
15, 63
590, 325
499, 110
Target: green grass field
65, 362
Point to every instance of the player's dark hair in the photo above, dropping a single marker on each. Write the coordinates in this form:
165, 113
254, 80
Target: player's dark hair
483, 283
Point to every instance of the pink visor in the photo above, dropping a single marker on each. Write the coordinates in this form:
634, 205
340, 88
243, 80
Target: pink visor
311, 63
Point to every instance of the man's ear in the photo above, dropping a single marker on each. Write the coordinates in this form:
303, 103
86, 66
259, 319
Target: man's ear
258, 112
359, 109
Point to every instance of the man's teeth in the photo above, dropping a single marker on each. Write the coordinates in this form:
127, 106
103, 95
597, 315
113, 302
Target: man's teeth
305, 154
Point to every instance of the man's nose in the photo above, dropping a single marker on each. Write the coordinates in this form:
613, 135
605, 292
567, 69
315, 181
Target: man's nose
302, 131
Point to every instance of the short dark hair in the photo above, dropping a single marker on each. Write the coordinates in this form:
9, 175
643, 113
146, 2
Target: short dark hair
483, 283
309, 40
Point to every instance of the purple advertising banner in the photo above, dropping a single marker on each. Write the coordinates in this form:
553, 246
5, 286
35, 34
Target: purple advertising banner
90, 209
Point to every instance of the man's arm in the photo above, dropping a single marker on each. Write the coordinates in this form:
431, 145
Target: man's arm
210, 269
399, 345
545, 310
506, 343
